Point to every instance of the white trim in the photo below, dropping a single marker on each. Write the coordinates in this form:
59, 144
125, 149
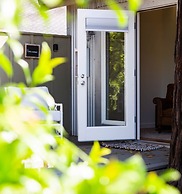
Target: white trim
138, 75
103, 78
94, 23
153, 4
71, 29
91, 81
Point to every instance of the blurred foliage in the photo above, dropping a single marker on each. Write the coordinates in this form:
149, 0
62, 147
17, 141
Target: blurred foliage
33, 159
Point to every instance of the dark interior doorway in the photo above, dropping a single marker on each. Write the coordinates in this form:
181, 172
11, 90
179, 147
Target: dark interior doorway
157, 38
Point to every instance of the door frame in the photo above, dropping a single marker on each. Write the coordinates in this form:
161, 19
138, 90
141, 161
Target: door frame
138, 52
137, 24
72, 31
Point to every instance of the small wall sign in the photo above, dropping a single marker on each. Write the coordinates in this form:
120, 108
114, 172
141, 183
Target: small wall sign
32, 50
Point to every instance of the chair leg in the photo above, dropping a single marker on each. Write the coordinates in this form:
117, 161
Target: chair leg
159, 129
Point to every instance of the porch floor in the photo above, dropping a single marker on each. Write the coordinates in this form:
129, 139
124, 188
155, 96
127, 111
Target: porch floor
155, 160
152, 134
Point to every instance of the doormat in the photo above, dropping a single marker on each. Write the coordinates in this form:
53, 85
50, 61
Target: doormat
134, 145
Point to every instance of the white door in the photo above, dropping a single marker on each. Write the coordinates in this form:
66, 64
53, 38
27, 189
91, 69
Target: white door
106, 95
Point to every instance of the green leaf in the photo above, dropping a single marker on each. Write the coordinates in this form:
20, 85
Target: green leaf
122, 18
6, 65
52, 3
43, 72
41, 8
57, 61
82, 2
97, 152
16, 47
24, 65
170, 175
134, 4
10, 16
130, 174
156, 184
45, 54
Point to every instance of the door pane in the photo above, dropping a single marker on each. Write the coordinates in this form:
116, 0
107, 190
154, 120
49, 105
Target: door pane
105, 79
94, 80
115, 76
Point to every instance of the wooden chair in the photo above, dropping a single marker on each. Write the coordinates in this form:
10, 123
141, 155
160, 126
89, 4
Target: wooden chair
163, 109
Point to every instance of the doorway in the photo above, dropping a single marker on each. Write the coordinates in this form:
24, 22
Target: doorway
157, 40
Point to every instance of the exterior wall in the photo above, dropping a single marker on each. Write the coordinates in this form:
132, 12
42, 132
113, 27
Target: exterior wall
60, 88
146, 4
54, 25
151, 4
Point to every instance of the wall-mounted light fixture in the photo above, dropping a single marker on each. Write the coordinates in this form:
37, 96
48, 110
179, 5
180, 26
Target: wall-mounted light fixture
55, 47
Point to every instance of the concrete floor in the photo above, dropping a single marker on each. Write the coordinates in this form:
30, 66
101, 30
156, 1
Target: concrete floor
155, 160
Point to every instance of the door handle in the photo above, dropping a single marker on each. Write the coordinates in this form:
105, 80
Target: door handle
82, 83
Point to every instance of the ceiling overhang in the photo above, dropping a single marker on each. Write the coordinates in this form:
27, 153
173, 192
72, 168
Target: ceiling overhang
73, 2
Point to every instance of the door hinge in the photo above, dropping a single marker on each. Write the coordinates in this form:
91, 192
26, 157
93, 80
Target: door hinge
76, 62
135, 119
90, 34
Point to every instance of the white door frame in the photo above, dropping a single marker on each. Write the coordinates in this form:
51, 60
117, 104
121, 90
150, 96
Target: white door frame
138, 76
86, 23
146, 5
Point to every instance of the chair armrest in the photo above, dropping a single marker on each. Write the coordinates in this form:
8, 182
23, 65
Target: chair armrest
163, 103
158, 100
59, 107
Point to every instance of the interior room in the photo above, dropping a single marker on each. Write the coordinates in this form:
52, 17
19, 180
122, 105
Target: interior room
157, 40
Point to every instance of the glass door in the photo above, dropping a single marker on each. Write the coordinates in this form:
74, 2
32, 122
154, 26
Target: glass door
106, 76
113, 78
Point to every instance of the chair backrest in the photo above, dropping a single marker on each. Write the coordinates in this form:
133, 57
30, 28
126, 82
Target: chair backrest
169, 94
40, 94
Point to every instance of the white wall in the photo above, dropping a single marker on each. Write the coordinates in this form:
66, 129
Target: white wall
33, 23
157, 38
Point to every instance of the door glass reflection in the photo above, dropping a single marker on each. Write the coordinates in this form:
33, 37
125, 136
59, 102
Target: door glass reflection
115, 76
105, 78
